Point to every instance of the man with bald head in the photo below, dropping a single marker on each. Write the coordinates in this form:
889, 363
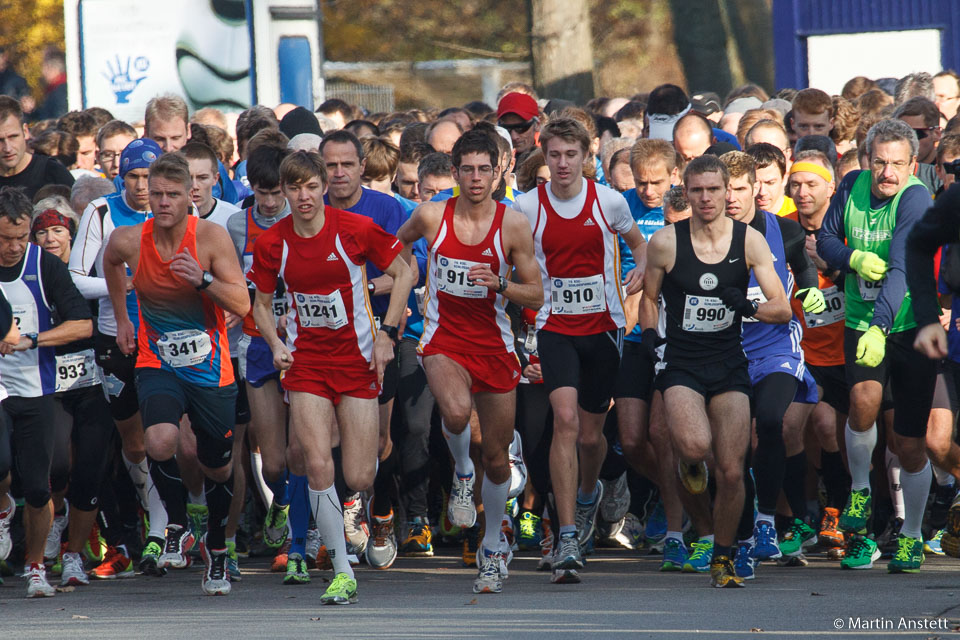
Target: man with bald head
692, 135
442, 135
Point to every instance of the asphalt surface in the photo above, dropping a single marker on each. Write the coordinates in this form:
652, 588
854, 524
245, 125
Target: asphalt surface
622, 596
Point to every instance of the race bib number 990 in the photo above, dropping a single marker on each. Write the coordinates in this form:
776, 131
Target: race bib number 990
452, 278
77, 371
578, 296
706, 315
185, 348
321, 311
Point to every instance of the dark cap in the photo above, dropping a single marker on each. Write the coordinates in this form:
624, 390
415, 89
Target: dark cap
706, 103
299, 121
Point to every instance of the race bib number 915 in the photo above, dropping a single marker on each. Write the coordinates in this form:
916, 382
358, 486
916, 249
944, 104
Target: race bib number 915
452, 278
321, 311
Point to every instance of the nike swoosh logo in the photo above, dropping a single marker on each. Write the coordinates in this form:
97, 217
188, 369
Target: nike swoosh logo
732, 260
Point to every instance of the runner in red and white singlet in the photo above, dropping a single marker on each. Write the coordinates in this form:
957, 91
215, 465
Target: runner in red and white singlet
580, 326
467, 346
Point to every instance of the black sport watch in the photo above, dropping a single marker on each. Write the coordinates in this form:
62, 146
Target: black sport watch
390, 330
205, 281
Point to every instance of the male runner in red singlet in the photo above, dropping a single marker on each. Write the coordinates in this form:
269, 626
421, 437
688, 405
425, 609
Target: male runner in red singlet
467, 346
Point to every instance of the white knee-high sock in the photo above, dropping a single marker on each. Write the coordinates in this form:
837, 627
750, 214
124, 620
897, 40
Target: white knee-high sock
140, 475
459, 445
256, 466
156, 511
328, 513
494, 500
894, 471
859, 451
916, 486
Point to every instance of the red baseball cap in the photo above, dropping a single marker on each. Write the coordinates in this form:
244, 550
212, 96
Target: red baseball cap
520, 104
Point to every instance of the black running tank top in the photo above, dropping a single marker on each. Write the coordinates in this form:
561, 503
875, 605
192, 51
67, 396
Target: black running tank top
700, 329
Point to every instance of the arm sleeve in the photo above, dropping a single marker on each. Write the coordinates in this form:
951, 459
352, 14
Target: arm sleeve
939, 225
913, 204
831, 243
60, 291
83, 255
794, 247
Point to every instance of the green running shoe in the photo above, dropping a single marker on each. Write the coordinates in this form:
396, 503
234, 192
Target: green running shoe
861, 552
233, 563
296, 570
150, 556
275, 526
798, 537
857, 512
909, 555
701, 555
343, 590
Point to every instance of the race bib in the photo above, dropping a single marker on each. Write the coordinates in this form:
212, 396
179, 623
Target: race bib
280, 307
186, 348
77, 371
869, 290
577, 296
25, 315
452, 278
706, 314
419, 293
755, 293
834, 312
321, 311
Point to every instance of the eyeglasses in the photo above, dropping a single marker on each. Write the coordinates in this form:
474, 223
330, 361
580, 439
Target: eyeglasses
519, 127
923, 132
896, 165
108, 156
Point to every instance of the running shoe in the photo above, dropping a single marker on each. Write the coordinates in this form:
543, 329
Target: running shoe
275, 525
798, 537
693, 476
744, 564
198, 514
887, 541
471, 537
215, 581
630, 535
546, 547
585, 516
446, 527
460, 508
616, 499
857, 512
323, 561
675, 555
909, 555
723, 574
95, 547
488, 574
116, 564
518, 468
943, 497
343, 590
950, 540
506, 531
56, 568
279, 563
419, 542
314, 542
860, 554
766, 536
297, 572
72, 573
567, 561
531, 531
150, 556
233, 562
382, 553
52, 547
829, 536
37, 585
933, 546
701, 556
506, 556
6, 542
656, 527
355, 525
179, 541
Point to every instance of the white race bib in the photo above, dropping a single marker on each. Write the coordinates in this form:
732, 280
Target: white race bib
25, 315
77, 371
419, 293
577, 296
452, 278
321, 311
706, 314
185, 348
755, 293
834, 313
280, 307
869, 290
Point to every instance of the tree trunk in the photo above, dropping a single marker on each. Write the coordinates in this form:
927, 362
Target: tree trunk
561, 46
702, 44
751, 25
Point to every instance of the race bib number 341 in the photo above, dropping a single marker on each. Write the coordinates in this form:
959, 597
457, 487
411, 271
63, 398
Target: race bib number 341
706, 314
321, 311
185, 348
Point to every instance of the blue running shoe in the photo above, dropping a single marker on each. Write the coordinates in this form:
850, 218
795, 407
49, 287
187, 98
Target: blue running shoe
674, 555
656, 529
766, 536
933, 546
701, 555
744, 565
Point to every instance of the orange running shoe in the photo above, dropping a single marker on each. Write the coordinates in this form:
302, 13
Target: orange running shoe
116, 564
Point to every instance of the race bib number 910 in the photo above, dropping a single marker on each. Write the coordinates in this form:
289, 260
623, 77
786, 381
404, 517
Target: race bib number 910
706, 315
578, 296
321, 311
185, 348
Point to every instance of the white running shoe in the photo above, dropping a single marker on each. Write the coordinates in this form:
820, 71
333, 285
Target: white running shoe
506, 556
52, 548
215, 581
460, 508
73, 574
488, 574
37, 585
6, 542
616, 499
313, 544
518, 468
355, 525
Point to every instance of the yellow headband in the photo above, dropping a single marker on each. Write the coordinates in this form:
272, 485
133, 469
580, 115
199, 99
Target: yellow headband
812, 168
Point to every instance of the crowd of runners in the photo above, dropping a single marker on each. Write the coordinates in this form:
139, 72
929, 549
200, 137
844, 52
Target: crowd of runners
714, 329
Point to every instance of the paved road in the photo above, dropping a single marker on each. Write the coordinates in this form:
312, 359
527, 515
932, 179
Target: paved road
621, 597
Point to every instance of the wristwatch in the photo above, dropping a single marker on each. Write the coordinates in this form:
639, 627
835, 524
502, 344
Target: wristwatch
502, 285
205, 281
371, 287
33, 340
390, 330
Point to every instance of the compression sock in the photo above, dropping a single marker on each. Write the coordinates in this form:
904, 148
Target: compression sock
328, 514
219, 496
859, 451
494, 501
459, 445
894, 471
166, 479
299, 515
916, 487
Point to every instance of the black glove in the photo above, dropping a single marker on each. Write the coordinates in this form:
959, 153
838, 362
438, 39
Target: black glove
734, 299
650, 340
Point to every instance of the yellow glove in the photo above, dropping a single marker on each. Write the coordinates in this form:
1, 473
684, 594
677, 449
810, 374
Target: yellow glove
871, 347
813, 301
868, 266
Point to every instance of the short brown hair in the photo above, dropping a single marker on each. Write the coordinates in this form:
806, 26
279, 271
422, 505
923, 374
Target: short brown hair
922, 107
199, 151
740, 164
114, 128
813, 101
221, 143
581, 116
382, 156
949, 144
173, 167
300, 166
873, 102
166, 107
267, 137
79, 123
765, 154
646, 151
567, 129
706, 163
10, 107
846, 116
752, 117
856, 87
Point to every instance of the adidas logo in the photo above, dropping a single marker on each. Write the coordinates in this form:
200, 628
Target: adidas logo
589, 223
785, 365
332, 257
487, 252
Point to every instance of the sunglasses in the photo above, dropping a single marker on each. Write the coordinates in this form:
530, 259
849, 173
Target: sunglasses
520, 127
924, 132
